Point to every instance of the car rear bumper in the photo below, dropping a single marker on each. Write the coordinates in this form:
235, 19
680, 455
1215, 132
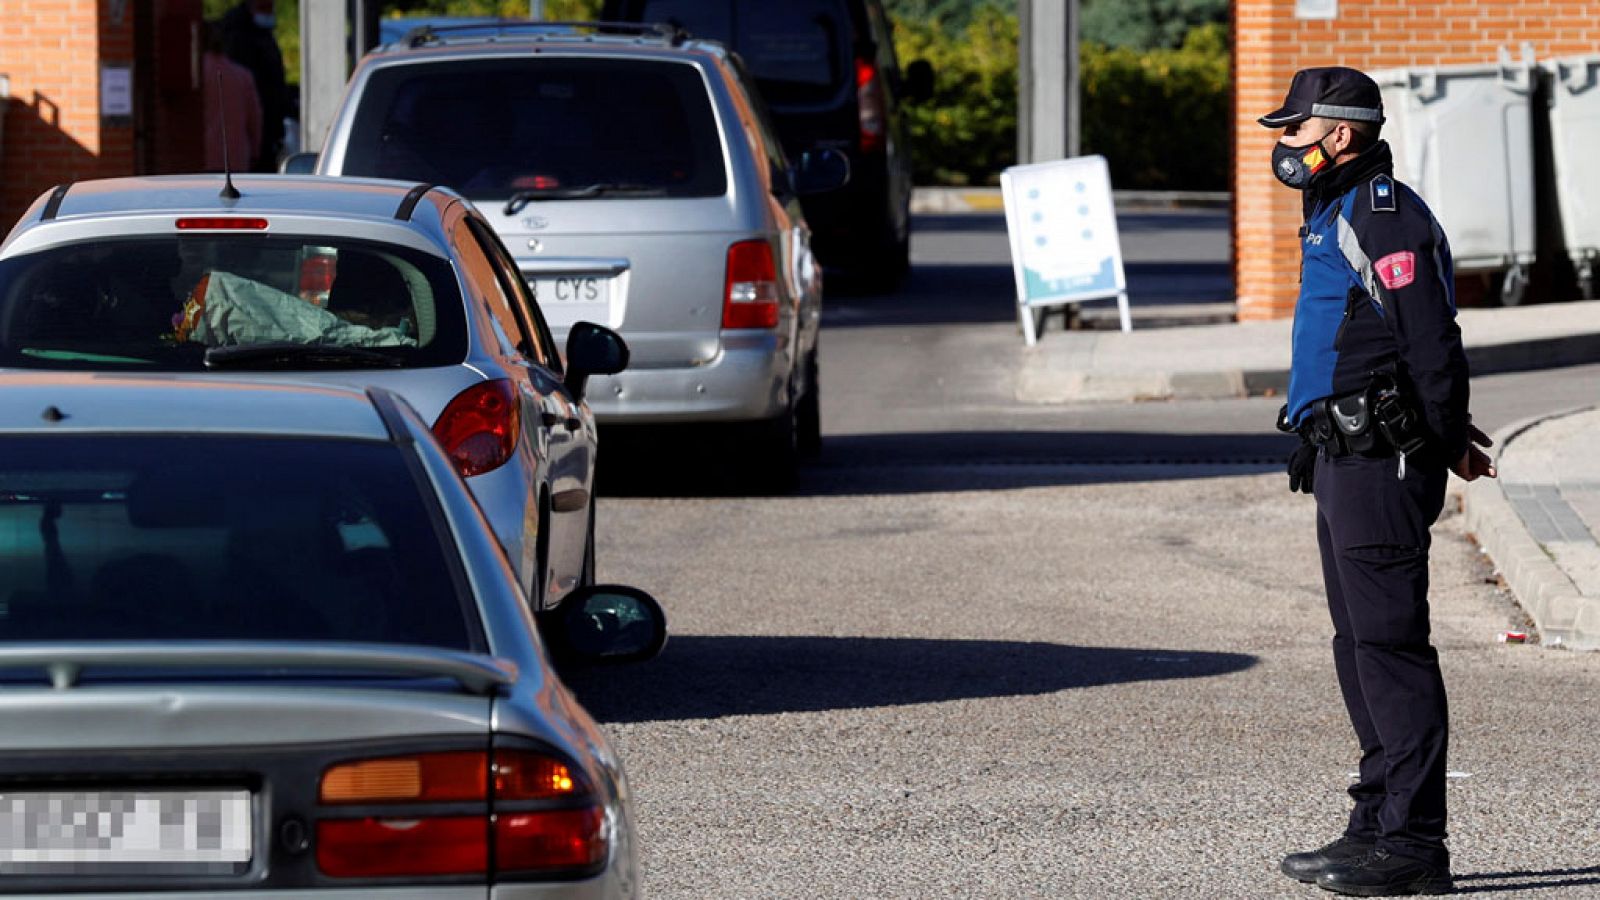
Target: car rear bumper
747, 380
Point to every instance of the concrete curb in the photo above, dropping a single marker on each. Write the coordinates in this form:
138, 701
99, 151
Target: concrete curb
959, 200
1564, 616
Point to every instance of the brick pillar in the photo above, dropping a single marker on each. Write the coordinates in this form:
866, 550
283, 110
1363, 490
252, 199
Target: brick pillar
53, 50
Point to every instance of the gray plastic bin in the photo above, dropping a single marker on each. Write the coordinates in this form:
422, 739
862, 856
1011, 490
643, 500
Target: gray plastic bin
1463, 138
1574, 134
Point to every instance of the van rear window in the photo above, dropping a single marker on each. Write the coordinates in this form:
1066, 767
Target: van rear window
798, 50
492, 128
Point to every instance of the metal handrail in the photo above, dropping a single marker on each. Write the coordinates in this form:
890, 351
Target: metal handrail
65, 661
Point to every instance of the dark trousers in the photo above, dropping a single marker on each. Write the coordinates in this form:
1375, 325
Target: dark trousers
1373, 531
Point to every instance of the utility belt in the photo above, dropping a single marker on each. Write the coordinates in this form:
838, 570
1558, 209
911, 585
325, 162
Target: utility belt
1376, 421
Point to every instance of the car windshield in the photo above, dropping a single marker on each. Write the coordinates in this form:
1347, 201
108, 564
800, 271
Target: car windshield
797, 50
160, 303
220, 538
498, 127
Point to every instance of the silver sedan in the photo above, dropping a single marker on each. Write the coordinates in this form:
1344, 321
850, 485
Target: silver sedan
259, 640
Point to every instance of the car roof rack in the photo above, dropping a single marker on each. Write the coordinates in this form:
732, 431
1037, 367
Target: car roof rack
429, 35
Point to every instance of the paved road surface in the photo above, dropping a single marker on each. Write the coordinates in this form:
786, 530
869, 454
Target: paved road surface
1000, 651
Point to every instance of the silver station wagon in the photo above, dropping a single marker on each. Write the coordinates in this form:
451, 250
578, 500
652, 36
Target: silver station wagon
338, 281
635, 176
259, 640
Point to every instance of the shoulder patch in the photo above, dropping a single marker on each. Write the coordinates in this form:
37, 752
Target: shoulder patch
1397, 269
1383, 199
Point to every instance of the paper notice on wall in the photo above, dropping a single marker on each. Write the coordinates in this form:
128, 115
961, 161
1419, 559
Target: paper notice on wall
1316, 9
116, 92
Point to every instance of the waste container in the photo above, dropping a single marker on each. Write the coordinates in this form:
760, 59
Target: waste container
1574, 132
1463, 138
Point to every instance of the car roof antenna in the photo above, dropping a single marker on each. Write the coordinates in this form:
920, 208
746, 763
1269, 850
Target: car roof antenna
228, 192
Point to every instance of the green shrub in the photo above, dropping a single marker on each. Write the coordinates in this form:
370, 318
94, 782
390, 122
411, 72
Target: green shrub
967, 132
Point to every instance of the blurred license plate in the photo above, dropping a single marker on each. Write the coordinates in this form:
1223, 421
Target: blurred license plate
64, 832
571, 289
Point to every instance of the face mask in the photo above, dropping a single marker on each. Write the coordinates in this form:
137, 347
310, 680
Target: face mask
265, 20
1296, 166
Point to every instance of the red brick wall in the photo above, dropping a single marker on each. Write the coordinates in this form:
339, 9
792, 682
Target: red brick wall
53, 50
1270, 44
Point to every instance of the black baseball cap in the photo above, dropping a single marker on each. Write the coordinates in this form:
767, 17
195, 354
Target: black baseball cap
1332, 92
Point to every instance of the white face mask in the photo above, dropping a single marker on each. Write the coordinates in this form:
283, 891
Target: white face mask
265, 20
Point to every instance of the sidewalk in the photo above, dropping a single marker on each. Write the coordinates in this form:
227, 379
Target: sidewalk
1539, 522
1252, 358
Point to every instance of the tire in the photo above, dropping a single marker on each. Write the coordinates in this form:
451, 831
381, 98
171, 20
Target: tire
808, 418
776, 465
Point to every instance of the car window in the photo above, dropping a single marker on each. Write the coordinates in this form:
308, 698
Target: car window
160, 303
481, 273
768, 133
541, 347
798, 50
210, 537
491, 128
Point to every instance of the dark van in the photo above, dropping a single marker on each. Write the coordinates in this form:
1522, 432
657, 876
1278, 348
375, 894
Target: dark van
828, 72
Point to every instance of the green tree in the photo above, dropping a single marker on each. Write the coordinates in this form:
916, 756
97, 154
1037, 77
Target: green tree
966, 133
1147, 24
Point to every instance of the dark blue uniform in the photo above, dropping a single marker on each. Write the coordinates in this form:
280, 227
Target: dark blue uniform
1376, 296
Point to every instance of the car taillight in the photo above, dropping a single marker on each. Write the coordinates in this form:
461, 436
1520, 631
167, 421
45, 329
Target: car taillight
479, 428
317, 272
512, 785
872, 105
751, 297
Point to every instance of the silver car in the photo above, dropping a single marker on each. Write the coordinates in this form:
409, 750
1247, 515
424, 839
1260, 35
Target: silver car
258, 640
341, 281
638, 181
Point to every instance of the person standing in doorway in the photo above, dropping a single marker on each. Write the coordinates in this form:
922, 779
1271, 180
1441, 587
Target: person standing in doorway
1378, 393
232, 108
248, 39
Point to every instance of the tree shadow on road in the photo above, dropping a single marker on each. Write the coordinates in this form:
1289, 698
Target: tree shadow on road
703, 677
1525, 880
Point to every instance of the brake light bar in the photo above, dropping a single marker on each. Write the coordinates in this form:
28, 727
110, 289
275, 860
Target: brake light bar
221, 223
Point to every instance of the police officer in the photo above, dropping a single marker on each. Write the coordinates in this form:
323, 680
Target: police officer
1378, 393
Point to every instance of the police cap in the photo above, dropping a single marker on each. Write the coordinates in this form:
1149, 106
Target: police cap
1331, 92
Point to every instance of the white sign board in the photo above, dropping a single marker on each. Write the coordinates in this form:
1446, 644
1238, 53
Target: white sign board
116, 91
1064, 243
1316, 9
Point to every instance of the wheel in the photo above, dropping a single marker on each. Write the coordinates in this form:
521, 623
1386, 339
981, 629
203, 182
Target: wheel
775, 467
808, 437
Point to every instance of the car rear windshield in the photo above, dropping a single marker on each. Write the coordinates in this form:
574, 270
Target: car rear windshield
493, 128
798, 50
220, 538
160, 303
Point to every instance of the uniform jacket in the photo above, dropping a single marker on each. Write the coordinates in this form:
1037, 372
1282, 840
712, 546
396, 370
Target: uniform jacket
1377, 294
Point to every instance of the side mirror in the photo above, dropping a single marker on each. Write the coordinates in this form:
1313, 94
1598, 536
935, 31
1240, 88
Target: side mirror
299, 164
604, 624
820, 171
919, 81
593, 350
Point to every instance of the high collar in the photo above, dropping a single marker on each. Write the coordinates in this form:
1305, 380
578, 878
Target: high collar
1337, 181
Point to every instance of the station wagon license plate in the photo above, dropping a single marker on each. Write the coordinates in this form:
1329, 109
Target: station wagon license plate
572, 290
149, 831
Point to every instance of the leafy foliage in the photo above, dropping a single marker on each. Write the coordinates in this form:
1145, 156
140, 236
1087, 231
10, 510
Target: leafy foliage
1146, 24
967, 132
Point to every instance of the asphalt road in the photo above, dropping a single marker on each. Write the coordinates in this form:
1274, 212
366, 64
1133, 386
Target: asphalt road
988, 650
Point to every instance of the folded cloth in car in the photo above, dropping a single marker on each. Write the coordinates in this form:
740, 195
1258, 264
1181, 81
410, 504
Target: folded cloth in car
228, 309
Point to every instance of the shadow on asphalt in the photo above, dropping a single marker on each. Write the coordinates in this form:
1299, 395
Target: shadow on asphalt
704, 677
1524, 880
684, 462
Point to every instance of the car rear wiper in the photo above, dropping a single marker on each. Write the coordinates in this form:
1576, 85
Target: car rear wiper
297, 356
581, 192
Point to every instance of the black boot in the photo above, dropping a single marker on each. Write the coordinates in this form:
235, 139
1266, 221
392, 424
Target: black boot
1307, 866
1383, 874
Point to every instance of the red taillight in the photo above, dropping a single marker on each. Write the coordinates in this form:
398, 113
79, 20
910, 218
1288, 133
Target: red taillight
380, 848
479, 427
550, 840
220, 223
317, 272
526, 841
751, 296
872, 105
